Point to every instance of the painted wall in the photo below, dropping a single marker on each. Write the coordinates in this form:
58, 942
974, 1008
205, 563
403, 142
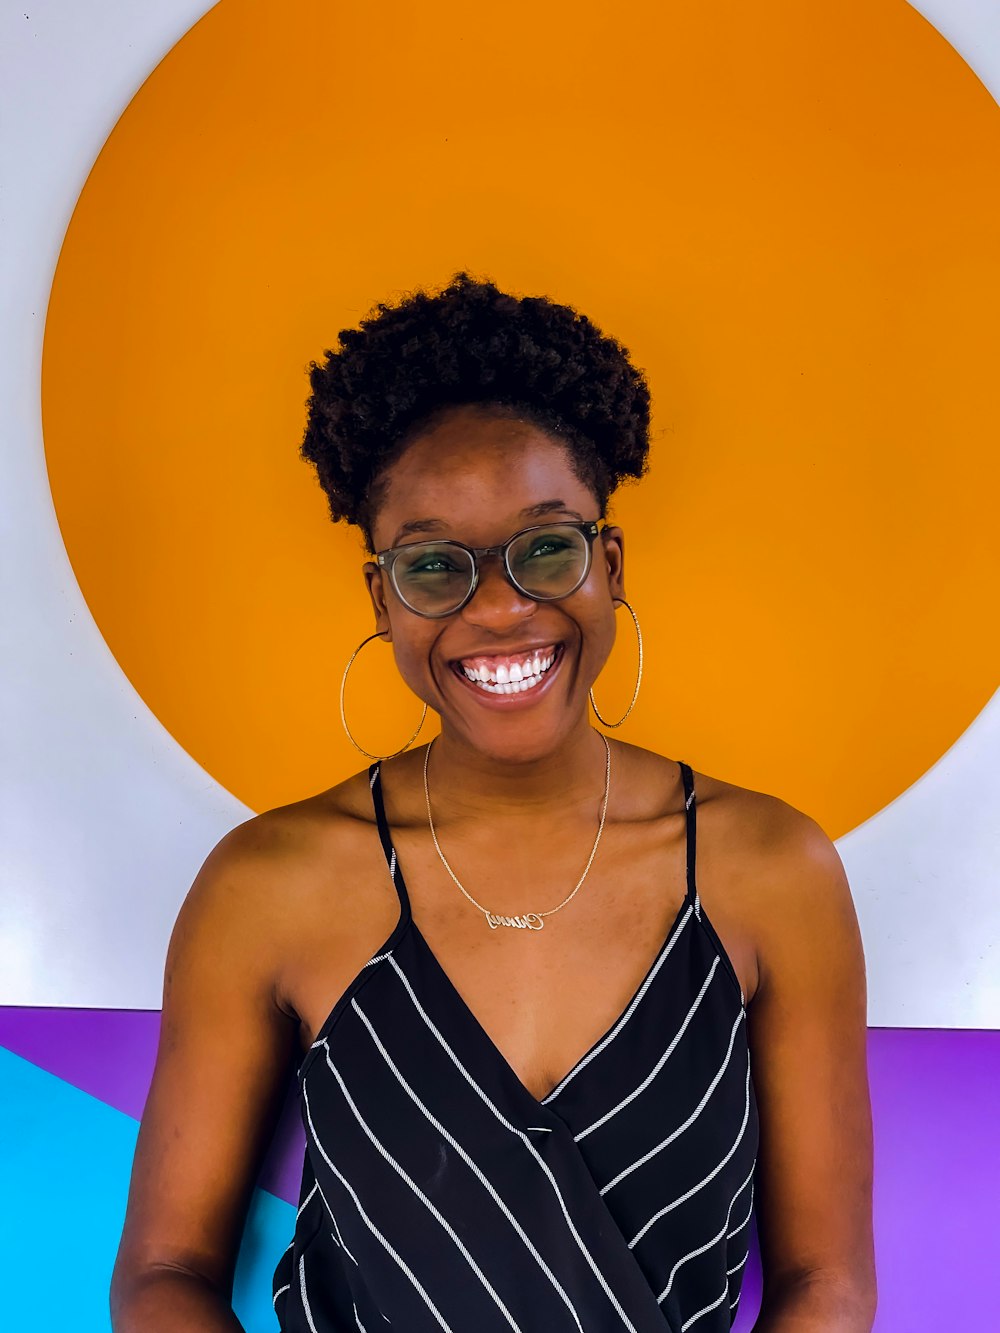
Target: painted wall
789, 216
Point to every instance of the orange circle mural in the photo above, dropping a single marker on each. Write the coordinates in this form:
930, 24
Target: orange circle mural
789, 213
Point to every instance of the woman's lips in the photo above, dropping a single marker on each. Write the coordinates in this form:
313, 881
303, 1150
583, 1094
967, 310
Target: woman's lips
518, 698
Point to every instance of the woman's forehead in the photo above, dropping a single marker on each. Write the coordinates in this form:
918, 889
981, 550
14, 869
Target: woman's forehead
480, 478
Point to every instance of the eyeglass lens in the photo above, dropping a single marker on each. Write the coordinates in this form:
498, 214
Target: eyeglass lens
546, 563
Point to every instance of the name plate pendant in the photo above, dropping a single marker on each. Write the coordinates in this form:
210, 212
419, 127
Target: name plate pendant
526, 921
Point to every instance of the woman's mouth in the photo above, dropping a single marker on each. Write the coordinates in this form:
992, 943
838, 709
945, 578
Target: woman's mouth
508, 675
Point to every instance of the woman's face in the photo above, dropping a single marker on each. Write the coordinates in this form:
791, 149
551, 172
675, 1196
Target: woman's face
478, 479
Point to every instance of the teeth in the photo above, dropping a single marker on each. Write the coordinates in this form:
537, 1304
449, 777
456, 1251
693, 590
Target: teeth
513, 679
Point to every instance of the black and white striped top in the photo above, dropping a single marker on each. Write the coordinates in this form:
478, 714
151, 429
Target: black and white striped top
439, 1194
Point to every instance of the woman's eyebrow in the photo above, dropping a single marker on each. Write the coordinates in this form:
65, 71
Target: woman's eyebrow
547, 506
414, 525
418, 525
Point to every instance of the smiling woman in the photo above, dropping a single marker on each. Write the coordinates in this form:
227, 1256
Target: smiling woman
512, 1123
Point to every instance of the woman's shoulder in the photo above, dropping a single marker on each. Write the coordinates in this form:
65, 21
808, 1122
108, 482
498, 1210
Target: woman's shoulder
273, 870
303, 835
785, 883
766, 841
746, 814
761, 862
304, 884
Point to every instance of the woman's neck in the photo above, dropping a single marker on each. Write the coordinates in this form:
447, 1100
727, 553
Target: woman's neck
466, 781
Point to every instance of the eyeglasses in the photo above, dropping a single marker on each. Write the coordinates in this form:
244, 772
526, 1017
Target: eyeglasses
545, 563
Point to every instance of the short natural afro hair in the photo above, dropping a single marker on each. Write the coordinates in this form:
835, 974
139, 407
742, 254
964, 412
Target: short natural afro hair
471, 344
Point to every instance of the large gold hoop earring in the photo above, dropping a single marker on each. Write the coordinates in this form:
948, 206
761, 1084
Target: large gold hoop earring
638, 679
343, 717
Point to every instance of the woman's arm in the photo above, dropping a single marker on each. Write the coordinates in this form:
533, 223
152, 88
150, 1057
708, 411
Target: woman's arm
808, 1041
224, 1058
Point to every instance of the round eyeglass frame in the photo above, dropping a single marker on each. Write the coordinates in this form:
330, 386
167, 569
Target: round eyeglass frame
590, 529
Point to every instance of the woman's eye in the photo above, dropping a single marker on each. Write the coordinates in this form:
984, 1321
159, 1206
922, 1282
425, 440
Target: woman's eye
550, 546
437, 565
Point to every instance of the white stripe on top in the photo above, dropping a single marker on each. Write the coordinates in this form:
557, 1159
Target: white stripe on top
660, 1062
369, 1223
527, 1143
472, 1166
428, 1203
675, 1203
641, 1161
636, 1001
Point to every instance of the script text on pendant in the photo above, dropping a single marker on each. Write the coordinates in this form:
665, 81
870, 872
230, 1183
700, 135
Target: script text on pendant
527, 921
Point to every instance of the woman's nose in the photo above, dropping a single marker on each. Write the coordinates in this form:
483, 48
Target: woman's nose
496, 604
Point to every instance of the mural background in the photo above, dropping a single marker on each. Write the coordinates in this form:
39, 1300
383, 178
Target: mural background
790, 217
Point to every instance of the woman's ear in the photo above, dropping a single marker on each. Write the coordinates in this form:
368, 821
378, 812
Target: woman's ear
613, 543
376, 591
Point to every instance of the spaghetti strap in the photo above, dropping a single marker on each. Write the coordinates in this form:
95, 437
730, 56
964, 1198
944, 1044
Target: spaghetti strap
690, 801
375, 783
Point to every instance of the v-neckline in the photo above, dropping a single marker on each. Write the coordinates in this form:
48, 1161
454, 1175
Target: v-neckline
543, 1104
540, 1105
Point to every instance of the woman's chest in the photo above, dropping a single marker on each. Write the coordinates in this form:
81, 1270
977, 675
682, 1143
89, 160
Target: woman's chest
540, 997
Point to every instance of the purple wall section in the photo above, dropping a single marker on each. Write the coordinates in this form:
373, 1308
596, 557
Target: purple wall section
936, 1106
110, 1053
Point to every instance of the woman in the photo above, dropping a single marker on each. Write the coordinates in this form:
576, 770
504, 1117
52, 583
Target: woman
547, 1077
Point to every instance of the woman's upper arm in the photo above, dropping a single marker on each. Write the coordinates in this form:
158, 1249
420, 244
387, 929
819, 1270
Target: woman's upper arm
222, 1067
808, 1037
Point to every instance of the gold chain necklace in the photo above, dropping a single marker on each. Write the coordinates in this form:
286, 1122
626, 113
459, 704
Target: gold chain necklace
527, 920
